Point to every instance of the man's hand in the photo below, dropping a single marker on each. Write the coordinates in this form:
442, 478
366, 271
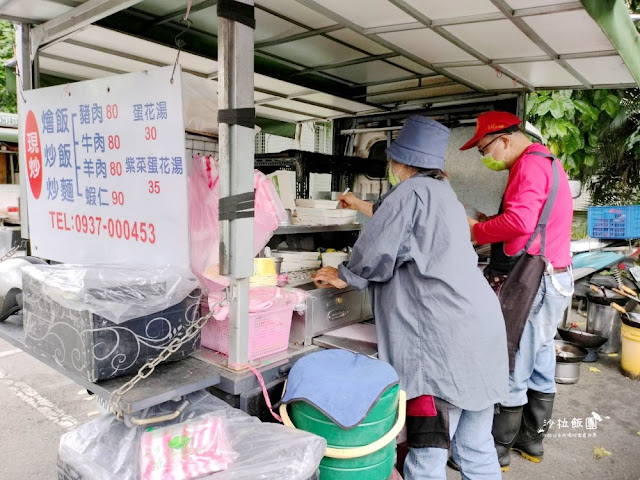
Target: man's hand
472, 222
327, 277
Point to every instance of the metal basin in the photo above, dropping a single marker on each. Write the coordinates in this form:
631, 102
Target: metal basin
583, 339
567, 352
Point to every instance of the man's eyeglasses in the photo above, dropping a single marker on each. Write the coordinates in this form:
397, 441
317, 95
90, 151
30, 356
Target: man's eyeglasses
481, 150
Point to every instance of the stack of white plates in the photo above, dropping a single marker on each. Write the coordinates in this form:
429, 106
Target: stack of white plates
322, 212
294, 261
320, 204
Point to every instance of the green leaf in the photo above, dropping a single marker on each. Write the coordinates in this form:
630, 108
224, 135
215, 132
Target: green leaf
611, 104
532, 104
557, 108
573, 143
561, 94
589, 160
599, 452
586, 109
593, 139
544, 107
179, 442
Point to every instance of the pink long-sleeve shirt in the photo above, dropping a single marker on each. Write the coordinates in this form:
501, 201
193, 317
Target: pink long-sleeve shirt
529, 185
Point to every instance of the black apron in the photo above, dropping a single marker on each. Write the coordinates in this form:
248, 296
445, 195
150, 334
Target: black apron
519, 290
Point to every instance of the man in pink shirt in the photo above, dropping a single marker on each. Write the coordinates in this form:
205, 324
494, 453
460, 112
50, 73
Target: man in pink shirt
524, 417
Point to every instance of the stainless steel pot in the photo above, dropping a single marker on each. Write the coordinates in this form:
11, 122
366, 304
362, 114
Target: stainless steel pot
604, 321
568, 359
567, 373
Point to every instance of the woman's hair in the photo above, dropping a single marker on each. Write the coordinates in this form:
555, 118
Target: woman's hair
434, 173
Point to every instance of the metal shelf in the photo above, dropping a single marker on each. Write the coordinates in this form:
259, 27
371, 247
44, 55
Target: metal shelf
168, 381
297, 229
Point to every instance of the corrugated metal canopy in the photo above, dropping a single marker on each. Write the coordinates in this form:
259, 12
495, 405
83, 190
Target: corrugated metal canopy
330, 58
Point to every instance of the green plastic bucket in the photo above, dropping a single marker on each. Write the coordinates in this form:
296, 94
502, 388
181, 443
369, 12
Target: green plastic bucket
380, 420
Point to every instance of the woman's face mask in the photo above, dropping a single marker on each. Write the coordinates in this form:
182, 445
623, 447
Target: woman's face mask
491, 162
394, 179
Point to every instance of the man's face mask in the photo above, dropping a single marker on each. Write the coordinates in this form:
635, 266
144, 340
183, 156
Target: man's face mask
490, 161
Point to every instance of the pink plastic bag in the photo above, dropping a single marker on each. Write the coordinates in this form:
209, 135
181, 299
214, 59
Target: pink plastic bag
186, 450
204, 194
262, 299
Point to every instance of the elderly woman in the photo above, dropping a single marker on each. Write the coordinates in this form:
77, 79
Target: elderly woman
438, 322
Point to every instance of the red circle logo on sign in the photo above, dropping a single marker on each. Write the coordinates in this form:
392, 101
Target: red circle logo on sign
33, 154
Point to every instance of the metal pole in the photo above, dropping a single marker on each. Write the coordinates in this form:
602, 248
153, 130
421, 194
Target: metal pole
25, 82
235, 90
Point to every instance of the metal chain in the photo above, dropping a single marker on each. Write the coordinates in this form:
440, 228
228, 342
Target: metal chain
12, 252
148, 368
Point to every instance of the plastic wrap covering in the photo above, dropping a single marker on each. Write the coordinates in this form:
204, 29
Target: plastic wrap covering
116, 293
105, 449
200, 104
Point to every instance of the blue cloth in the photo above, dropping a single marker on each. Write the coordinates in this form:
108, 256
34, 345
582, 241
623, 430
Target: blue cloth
536, 358
342, 385
472, 448
422, 143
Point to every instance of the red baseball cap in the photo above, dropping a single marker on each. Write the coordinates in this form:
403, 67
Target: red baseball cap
491, 122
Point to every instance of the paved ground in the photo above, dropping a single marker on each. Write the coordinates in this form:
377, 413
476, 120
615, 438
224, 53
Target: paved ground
39, 405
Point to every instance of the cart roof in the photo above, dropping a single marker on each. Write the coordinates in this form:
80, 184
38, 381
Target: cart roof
321, 59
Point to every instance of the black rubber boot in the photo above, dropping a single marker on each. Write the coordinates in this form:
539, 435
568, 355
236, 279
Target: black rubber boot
535, 424
506, 425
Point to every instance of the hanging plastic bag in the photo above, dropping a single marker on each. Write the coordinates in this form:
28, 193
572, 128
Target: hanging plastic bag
269, 211
204, 195
204, 234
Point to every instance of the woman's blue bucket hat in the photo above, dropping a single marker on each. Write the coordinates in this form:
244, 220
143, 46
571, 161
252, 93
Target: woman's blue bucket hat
422, 143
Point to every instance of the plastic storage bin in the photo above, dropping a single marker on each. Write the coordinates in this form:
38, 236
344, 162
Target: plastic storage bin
619, 222
268, 332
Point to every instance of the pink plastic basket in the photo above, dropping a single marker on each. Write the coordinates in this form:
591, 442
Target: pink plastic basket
268, 333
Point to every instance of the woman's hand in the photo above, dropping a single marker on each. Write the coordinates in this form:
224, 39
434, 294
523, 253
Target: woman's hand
327, 277
352, 202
